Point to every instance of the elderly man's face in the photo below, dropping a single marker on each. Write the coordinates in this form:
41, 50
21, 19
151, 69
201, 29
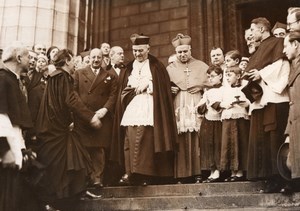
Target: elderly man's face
279, 32
140, 52
183, 53
292, 23
40, 48
217, 56
32, 60
96, 58
289, 48
118, 56
24, 60
252, 45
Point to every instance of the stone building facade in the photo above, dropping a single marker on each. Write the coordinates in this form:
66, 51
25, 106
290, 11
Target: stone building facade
51, 22
84, 24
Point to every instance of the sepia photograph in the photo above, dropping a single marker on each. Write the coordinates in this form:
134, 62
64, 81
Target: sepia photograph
149, 105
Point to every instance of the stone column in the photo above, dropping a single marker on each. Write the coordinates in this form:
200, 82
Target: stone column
99, 19
51, 22
207, 27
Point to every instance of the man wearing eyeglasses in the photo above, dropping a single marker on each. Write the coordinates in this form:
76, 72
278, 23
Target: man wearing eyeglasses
293, 19
187, 76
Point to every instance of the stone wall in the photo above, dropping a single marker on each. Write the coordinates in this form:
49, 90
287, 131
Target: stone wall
159, 19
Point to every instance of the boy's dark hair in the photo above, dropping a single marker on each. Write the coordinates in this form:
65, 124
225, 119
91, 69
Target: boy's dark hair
235, 69
215, 69
234, 54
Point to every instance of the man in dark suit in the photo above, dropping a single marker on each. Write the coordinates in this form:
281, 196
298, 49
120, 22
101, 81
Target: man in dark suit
97, 89
67, 162
116, 56
35, 82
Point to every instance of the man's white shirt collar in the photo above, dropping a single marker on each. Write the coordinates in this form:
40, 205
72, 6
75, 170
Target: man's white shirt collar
96, 71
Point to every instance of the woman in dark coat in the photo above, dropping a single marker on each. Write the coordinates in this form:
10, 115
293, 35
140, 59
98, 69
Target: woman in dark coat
66, 160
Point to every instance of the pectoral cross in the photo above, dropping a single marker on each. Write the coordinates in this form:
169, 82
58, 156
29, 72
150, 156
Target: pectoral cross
187, 70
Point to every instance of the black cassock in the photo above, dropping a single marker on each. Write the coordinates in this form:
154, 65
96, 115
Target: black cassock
67, 162
12, 103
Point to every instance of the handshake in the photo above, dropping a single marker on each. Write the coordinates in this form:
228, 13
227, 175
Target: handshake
96, 120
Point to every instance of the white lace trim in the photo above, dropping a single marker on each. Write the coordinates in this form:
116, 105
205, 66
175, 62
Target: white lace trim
187, 119
235, 116
139, 111
213, 118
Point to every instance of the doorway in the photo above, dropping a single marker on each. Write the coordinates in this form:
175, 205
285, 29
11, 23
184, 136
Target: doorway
273, 10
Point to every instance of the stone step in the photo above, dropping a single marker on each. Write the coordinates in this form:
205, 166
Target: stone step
242, 209
242, 196
219, 202
181, 190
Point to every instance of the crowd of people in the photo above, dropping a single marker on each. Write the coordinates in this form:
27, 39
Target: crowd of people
70, 125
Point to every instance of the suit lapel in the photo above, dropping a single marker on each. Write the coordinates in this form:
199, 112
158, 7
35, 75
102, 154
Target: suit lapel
88, 73
293, 77
99, 78
295, 71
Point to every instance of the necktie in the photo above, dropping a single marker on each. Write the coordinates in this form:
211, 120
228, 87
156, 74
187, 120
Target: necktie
23, 89
96, 72
121, 65
30, 74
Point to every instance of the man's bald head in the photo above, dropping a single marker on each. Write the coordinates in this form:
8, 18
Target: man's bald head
96, 58
16, 55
